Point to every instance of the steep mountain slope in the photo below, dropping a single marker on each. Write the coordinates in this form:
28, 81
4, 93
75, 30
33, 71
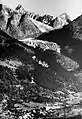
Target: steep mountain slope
16, 24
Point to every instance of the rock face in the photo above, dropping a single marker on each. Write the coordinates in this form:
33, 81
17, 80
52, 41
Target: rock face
40, 66
17, 24
20, 9
61, 21
46, 19
56, 23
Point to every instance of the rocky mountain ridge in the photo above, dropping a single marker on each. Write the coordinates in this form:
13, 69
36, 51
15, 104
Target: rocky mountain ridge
17, 23
61, 20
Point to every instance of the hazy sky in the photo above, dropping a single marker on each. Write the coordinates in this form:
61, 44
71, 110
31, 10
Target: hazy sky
52, 7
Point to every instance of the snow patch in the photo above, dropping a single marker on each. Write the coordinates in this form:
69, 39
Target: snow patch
41, 26
45, 45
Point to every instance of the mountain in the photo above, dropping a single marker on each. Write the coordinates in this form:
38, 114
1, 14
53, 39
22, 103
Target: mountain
40, 66
19, 25
57, 22
61, 21
16, 24
22, 24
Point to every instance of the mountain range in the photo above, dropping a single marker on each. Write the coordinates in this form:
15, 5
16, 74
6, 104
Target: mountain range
40, 65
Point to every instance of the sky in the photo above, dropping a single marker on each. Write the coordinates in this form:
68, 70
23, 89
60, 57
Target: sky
51, 7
